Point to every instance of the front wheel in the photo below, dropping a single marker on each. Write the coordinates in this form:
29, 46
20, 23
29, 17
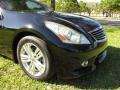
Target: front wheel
34, 58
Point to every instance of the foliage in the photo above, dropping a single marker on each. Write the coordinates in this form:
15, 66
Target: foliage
110, 5
83, 6
47, 2
67, 6
72, 6
91, 7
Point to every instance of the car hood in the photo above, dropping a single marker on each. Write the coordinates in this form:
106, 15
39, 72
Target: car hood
83, 22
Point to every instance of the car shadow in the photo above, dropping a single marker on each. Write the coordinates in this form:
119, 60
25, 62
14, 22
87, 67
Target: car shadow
106, 76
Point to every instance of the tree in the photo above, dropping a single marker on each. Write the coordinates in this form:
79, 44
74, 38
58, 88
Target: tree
83, 6
50, 3
67, 6
53, 4
47, 2
110, 6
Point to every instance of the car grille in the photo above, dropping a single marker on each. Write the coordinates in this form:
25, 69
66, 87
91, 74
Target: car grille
98, 34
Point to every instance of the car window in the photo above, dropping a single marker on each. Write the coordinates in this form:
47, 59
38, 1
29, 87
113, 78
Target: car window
32, 5
21, 5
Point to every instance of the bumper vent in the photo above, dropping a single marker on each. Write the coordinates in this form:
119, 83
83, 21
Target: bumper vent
98, 34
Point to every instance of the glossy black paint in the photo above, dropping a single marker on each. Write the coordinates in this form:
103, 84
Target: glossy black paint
18, 23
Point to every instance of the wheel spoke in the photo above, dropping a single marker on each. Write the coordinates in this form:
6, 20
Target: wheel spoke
37, 51
38, 57
32, 68
38, 54
25, 58
27, 48
30, 65
39, 66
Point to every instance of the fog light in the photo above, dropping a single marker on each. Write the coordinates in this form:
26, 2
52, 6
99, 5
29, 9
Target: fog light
84, 64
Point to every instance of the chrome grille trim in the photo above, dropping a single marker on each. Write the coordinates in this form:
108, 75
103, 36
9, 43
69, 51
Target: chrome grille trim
98, 34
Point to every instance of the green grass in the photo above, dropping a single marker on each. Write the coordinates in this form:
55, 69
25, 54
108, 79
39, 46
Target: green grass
106, 76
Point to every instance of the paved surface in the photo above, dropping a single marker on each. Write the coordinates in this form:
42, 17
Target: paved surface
110, 23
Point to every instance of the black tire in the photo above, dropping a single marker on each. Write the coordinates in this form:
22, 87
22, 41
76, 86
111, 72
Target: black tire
49, 70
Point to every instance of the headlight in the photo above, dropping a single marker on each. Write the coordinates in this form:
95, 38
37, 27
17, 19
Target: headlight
66, 34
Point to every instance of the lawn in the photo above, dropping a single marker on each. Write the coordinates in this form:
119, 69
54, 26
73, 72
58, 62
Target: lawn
106, 76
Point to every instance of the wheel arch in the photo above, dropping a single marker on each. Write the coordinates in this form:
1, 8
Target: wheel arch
18, 37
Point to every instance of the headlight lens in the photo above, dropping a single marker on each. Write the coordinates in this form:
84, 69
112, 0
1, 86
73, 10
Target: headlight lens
66, 34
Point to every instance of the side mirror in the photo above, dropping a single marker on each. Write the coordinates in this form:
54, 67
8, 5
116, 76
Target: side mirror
50, 11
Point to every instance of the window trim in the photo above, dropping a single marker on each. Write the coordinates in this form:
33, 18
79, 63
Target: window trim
27, 10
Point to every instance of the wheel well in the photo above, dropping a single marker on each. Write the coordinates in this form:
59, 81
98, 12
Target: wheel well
15, 43
18, 38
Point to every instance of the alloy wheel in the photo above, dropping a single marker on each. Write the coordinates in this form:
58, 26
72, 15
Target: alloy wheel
32, 59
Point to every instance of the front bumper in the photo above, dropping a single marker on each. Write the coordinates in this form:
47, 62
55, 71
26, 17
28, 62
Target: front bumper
68, 62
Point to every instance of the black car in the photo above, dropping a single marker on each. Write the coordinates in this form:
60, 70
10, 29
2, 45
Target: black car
47, 43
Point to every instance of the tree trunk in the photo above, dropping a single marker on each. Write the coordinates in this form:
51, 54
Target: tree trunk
53, 4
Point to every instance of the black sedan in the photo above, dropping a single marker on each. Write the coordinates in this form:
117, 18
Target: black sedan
47, 43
